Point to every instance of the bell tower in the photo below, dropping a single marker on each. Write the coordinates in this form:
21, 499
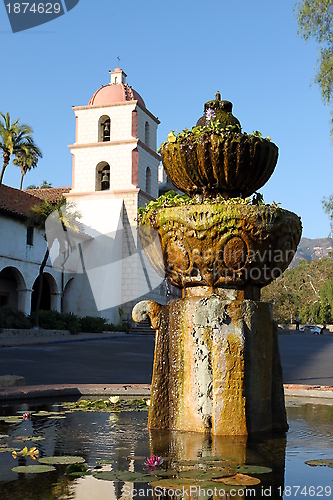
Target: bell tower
115, 169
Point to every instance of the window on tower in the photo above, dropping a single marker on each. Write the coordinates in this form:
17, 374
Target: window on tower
104, 129
148, 180
147, 133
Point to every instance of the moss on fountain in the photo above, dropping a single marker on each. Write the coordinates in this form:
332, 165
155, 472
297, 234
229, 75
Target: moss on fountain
220, 110
220, 244
171, 199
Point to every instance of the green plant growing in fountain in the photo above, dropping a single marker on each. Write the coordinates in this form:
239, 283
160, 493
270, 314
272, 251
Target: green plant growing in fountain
112, 404
171, 199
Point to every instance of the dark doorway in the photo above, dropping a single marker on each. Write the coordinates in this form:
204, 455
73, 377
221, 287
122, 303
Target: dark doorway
45, 303
9, 283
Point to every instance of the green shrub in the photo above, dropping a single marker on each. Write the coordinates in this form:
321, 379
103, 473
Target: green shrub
110, 327
91, 324
73, 322
51, 320
12, 318
54, 320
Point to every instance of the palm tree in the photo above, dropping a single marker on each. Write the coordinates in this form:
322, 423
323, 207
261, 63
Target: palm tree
69, 220
13, 137
26, 159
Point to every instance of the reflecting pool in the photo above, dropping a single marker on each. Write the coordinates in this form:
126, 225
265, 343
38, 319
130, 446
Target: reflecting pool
116, 441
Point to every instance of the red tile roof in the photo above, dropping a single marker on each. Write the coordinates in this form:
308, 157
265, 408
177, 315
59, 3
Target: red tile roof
53, 195
15, 202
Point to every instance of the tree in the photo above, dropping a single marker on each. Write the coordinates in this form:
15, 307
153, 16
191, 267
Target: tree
27, 159
69, 220
326, 297
45, 185
301, 289
315, 20
13, 138
328, 209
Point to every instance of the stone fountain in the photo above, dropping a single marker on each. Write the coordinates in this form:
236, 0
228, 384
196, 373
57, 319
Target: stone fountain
217, 363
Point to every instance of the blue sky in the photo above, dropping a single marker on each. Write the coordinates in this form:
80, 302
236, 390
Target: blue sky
176, 55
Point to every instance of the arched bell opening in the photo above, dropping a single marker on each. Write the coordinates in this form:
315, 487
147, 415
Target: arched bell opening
103, 176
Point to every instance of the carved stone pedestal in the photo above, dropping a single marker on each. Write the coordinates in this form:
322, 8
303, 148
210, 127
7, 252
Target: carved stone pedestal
217, 365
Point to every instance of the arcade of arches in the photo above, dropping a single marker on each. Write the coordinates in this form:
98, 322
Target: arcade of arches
15, 293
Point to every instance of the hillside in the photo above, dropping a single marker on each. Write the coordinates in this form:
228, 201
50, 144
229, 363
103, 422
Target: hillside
312, 249
306, 289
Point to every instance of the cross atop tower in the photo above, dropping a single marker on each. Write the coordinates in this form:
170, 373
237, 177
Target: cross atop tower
118, 61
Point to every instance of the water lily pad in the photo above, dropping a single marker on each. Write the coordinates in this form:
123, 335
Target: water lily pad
79, 474
132, 476
166, 473
211, 458
122, 475
3, 436
320, 462
216, 474
110, 475
191, 467
33, 469
189, 462
174, 483
43, 413
12, 419
77, 470
191, 474
56, 416
240, 480
4, 449
106, 461
61, 460
211, 485
252, 469
23, 439
138, 457
217, 464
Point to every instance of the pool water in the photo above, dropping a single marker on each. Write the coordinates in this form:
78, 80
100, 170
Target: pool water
123, 439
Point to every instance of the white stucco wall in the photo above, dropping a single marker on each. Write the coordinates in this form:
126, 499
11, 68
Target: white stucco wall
97, 286
24, 261
142, 119
88, 119
148, 160
87, 159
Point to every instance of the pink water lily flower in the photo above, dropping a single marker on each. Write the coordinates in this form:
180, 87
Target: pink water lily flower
26, 415
153, 461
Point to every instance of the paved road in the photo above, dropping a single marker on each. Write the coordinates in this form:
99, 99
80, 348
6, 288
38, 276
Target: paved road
306, 359
119, 360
